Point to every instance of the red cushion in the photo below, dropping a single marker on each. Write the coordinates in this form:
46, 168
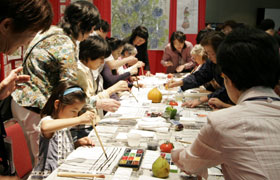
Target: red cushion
21, 154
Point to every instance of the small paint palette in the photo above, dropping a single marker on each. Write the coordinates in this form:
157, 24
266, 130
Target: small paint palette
173, 167
132, 158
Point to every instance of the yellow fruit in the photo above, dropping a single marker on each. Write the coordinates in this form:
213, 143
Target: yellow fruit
161, 168
155, 95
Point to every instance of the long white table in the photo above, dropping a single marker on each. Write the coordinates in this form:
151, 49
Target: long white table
114, 127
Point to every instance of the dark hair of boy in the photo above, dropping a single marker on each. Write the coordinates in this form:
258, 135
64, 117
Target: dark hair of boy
249, 57
213, 39
34, 15
115, 43
68, 99
93, 48
103, 25
79, 16
177, 35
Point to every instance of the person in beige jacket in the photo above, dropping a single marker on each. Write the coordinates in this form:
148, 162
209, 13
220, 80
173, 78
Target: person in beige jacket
92, 52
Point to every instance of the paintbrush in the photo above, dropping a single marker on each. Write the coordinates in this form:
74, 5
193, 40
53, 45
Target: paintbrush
134, 96
70, 174
97, 119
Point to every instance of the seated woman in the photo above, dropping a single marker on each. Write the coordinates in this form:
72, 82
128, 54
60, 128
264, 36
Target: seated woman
139, 39
206, 73
109, 77
177, 54
244, 139
199, 55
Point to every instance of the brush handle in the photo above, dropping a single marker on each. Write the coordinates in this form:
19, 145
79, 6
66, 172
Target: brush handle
70, 174
100, 142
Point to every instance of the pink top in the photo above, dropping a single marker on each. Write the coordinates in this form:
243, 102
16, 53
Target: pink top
176, 59
244, 138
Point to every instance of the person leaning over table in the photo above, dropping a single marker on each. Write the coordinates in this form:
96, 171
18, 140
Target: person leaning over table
92, 53
245, 138
199, 56
101, 29
52, 60
129, 50
206, 73
111, 77
20, 20
177, 54
139, 39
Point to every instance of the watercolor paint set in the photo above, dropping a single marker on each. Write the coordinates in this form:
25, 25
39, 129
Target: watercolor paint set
167, 156
132, 158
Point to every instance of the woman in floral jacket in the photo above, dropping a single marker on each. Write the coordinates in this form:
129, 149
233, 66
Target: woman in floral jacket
50, 58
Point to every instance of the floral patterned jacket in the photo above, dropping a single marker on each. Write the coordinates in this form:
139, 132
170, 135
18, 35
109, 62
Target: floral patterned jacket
52, 60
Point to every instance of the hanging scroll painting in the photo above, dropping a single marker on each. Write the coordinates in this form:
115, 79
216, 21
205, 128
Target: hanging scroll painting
187, 16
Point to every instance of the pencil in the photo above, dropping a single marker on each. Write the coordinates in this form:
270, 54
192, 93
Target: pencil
70, 174
100, 142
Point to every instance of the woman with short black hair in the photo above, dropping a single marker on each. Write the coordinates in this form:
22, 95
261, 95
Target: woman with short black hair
177, 54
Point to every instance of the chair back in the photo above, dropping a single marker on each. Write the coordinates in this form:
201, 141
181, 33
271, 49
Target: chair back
21, 156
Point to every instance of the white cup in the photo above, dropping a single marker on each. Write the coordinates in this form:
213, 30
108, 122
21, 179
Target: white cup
133, 139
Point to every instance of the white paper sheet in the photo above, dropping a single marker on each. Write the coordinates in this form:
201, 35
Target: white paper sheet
92, 160
145, 134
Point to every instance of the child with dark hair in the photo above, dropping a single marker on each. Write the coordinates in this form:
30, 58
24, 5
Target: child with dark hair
111, 78
60, 112
92, 53
102, 28
177, 54
243, 139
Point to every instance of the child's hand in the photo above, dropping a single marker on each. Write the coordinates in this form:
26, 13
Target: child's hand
87, 118
85, 141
